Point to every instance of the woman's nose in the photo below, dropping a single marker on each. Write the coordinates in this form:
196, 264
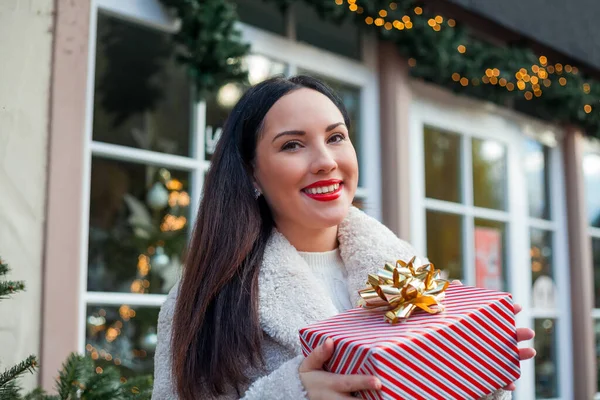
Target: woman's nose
323, 161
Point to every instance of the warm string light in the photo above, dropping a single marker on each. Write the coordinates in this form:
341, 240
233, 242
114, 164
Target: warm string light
405, 22
143, 264
173, 223
529, 83
539, 76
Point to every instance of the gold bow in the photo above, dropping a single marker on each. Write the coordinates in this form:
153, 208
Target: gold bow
404, 288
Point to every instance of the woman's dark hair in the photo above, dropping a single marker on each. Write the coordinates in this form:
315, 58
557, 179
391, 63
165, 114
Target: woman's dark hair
216, 334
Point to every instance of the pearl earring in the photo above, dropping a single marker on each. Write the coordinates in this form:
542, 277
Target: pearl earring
257, 193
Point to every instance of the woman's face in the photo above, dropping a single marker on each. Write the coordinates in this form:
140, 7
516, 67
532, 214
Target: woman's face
305, 165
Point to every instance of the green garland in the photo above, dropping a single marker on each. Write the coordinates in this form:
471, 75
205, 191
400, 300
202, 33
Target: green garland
209, 43
438, 50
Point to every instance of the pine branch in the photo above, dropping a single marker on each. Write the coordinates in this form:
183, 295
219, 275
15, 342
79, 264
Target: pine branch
10, 287
11, 374
103, 386
10, 391
70, 376
138, 388
3, 268
37, 394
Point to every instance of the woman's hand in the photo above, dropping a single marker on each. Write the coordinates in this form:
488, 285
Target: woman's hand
523, 334
321, 385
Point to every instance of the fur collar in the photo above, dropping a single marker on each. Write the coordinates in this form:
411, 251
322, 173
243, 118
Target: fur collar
289, 294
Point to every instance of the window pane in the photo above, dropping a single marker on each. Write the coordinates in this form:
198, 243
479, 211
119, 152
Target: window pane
442, 165
597, 330
343, 39
219, 105
350, 96
538, 178
262, 14
489, 174
596, 258
123, 336
542, 269
591, 172
490, 254
138, 226
444, 243
546, 360
143, 96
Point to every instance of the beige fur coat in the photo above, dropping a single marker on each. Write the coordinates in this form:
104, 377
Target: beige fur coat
365, 245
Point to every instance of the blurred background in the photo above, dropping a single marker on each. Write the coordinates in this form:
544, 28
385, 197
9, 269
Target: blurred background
476, 125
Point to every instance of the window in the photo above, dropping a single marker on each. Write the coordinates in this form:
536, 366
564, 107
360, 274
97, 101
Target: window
537, 163
149, 146
465, 197
144, 179
591, 173
489, 210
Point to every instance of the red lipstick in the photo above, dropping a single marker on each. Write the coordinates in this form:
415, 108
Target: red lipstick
330, 196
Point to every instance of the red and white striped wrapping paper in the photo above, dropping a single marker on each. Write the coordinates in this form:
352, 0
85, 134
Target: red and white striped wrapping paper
465, 352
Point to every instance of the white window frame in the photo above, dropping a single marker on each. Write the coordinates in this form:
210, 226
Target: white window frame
151, 14
593, 146
297, 55
436, 107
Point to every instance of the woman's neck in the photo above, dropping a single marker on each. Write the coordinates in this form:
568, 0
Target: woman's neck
310, 240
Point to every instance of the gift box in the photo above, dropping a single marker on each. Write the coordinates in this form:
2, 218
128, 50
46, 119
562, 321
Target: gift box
466, 351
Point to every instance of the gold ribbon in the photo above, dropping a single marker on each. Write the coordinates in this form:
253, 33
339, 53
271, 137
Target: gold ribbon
403, 288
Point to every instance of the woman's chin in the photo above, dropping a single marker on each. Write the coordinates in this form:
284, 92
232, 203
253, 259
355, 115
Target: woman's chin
327, 217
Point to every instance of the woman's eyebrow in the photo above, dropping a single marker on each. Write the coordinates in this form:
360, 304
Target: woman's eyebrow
301, 133
333, 126
291, 133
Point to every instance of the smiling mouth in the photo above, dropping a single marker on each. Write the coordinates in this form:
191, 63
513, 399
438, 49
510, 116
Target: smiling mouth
323, 189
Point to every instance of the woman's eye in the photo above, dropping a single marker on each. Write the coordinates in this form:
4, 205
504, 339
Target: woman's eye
291, 146
338, 137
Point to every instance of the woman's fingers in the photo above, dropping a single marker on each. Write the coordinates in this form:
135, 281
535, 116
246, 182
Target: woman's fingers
318, 357
510, 386
517, 308
526, 353
524, 334
355, 383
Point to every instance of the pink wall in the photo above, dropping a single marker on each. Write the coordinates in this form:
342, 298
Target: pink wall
61, 296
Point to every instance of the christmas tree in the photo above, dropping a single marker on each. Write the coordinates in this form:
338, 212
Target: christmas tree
79, 377
9, 389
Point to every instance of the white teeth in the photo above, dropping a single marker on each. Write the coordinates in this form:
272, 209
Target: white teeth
323, 189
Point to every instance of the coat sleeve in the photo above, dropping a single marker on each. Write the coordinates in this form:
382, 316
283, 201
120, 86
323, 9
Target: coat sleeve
282, 383
163, 384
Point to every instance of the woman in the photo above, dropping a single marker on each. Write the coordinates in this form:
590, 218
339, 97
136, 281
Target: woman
277, 245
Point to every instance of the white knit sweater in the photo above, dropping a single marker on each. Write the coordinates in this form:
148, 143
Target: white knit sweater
328, 267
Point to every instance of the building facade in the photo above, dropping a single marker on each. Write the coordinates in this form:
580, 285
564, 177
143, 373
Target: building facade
108, 194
